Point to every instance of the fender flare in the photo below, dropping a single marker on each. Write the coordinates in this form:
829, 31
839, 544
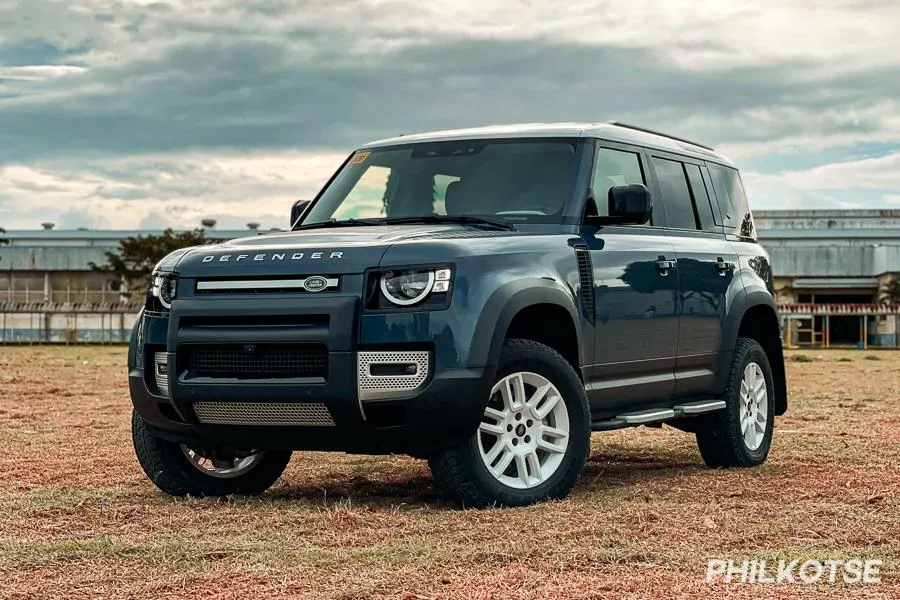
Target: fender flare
748, 301
501, 308
742, 304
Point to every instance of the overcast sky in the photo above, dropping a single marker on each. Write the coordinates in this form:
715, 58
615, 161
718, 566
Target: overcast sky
130, 113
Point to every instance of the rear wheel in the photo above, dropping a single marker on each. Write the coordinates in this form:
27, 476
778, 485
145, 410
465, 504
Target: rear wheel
533, 438
741, 434
181, 470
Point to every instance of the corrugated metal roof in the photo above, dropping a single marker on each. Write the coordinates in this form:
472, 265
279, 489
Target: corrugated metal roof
831, 252
90, 237
24, 258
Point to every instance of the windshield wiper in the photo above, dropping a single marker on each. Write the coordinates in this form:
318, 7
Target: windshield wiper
342, 223
466, 219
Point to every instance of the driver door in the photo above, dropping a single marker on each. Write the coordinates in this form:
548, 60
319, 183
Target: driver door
635, 290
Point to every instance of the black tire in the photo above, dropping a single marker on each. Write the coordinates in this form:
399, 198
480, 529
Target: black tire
720, 438
460, 473
169, 469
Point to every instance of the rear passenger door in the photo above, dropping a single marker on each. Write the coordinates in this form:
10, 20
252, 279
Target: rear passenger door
636, 321
706, 262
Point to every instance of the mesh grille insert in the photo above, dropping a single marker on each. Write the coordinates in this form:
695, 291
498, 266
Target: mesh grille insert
272, 414
249, 361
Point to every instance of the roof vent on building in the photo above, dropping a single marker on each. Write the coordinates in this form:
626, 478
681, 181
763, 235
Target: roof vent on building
48, 226
253, 226
208, 223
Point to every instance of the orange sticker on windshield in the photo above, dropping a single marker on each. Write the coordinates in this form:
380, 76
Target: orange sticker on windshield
359, 158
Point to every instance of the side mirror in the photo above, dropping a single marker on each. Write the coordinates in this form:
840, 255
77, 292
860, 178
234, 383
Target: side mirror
298, 210
630, 204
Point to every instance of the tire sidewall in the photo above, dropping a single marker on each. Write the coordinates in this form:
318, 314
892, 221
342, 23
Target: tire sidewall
553, 367
165, 463
752, 353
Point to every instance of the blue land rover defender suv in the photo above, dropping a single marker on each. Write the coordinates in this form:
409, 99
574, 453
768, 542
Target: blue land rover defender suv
483, 299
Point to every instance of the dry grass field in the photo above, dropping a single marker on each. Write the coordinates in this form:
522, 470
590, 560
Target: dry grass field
78, 519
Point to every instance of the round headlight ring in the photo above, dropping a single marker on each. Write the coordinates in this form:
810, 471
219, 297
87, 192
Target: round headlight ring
406, 301
164, 289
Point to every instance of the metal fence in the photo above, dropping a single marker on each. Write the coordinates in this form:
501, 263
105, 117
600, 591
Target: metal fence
803, 325
68, 323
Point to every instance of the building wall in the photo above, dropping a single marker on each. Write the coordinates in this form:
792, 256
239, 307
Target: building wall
815, 255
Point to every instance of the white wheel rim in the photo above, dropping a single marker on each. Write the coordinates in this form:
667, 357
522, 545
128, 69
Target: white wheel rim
222, 468
524, 433
754, 407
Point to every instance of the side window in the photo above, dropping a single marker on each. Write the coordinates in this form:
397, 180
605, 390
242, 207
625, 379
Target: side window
701, 198
441, 182
733, 206
675, 193
612, 168
369, 197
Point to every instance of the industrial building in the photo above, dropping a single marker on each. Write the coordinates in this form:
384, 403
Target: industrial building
833, 275
49, 292
833, 270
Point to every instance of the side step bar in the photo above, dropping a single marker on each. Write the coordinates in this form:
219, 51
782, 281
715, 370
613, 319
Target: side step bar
698, 408
658, 415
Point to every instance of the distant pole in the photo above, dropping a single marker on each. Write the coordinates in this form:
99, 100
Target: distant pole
865, 331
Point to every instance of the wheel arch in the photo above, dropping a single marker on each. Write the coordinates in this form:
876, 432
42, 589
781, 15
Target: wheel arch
512, 311
759, 321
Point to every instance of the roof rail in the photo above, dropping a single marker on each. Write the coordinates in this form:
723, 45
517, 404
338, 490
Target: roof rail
671, 137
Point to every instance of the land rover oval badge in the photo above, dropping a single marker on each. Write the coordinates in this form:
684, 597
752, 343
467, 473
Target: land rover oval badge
316, 283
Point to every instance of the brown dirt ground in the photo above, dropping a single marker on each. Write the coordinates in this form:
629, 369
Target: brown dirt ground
78, 519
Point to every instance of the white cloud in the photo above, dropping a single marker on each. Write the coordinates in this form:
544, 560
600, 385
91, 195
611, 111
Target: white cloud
132, 113
175, 191
881, 173
38, 72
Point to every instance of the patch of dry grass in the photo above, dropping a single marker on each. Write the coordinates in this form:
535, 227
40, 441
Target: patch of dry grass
79, 520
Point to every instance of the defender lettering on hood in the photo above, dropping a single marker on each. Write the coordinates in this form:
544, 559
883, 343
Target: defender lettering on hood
276, 256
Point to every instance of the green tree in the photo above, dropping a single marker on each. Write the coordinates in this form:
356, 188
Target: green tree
890, 293
390, 189
3, 240
134, 259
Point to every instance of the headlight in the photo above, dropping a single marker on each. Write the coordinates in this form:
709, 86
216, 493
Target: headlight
405, 288
163, 288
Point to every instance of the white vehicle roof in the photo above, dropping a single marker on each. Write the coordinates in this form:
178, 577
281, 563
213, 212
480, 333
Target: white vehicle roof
614, 132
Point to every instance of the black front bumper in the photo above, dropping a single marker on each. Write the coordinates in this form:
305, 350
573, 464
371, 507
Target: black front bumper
442, 413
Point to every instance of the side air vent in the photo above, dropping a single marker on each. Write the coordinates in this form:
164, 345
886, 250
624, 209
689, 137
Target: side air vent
586, 282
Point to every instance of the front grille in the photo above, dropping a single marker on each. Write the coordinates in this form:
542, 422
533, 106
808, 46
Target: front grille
256, 361
271, 414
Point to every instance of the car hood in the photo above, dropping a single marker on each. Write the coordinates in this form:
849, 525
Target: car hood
324, 251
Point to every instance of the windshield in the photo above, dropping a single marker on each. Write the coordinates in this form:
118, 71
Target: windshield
513, 180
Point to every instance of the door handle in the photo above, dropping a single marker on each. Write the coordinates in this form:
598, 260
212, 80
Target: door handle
664, 265
725, 267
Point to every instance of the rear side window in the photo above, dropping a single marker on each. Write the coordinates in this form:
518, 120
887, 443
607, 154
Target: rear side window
733, 205
612, 168
701, 198
675, 193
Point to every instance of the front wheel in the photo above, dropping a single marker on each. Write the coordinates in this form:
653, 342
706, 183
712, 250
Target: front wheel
181, 470
741, 434
533, 439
